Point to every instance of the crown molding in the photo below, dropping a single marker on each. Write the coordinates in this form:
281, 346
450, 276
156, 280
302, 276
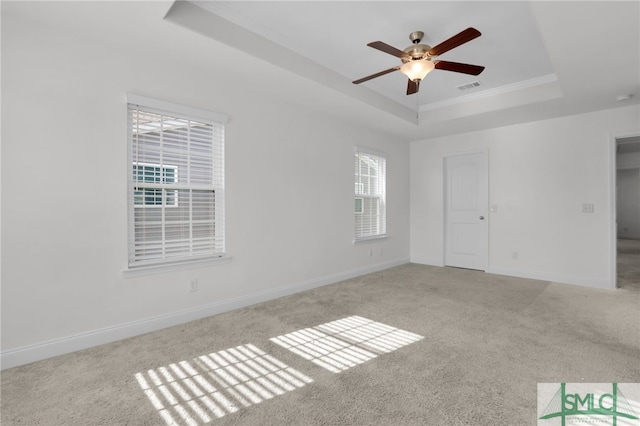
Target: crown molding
525, 84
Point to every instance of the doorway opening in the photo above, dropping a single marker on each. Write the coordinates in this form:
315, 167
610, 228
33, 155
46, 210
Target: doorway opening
627, 208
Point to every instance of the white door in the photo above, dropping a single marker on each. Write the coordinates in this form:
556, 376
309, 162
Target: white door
466, 211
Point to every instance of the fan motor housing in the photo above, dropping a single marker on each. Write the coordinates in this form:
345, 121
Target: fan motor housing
417, 59
417, 51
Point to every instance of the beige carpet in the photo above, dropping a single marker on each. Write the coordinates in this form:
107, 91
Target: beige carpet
454, 347
629, 264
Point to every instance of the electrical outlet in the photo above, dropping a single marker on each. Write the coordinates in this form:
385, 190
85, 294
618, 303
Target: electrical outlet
515, 255
588, 208
193, 285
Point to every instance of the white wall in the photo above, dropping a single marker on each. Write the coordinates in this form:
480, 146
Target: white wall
540, 174
64, 206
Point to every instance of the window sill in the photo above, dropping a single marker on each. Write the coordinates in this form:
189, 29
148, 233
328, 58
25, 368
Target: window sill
174, 266
370, 239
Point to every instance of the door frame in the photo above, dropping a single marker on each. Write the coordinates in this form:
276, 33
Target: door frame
613, 200
484, 152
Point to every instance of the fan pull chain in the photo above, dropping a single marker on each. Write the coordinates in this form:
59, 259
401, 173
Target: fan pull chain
418, 108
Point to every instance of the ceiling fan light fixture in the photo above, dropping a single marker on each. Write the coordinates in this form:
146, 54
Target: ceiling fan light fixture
416, 70
416, 63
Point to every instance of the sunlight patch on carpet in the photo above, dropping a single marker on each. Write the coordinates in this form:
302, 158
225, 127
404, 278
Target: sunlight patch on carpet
212, 386
345, 343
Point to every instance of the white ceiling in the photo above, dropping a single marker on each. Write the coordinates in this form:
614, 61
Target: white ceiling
542, 59
335, 34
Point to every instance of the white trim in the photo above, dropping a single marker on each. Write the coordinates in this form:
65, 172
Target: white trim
534, 275
537, 81
50, 348
167, 266
613, 230
215, 167
613, 200
602, 283
381, 194
358, 148
176, 108
220, 28
370, 239
429, 261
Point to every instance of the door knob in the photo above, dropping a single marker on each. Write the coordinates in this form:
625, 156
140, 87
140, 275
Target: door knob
481, 217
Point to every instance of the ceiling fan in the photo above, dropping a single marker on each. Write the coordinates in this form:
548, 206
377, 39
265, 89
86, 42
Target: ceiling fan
417, 59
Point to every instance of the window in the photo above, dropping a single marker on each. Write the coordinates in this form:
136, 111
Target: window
370, 191
176, 183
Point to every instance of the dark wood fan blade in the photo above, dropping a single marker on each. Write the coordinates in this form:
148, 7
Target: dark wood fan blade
455, 41
378, 74
384, 47
413, 87
458, 67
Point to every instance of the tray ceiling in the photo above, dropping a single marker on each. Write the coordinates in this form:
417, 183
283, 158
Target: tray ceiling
334, 35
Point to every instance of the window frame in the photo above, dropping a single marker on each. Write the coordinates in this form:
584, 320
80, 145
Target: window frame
380, 195
166, 262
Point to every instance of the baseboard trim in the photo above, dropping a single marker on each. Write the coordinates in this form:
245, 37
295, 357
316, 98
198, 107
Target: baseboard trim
563, 279
51, 348
534, 275
428, 261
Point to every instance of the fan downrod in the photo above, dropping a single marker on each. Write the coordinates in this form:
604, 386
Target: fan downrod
416, 37
422, 52
416, 50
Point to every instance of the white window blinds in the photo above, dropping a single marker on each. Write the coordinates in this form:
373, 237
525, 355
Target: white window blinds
176, 185
370, 194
